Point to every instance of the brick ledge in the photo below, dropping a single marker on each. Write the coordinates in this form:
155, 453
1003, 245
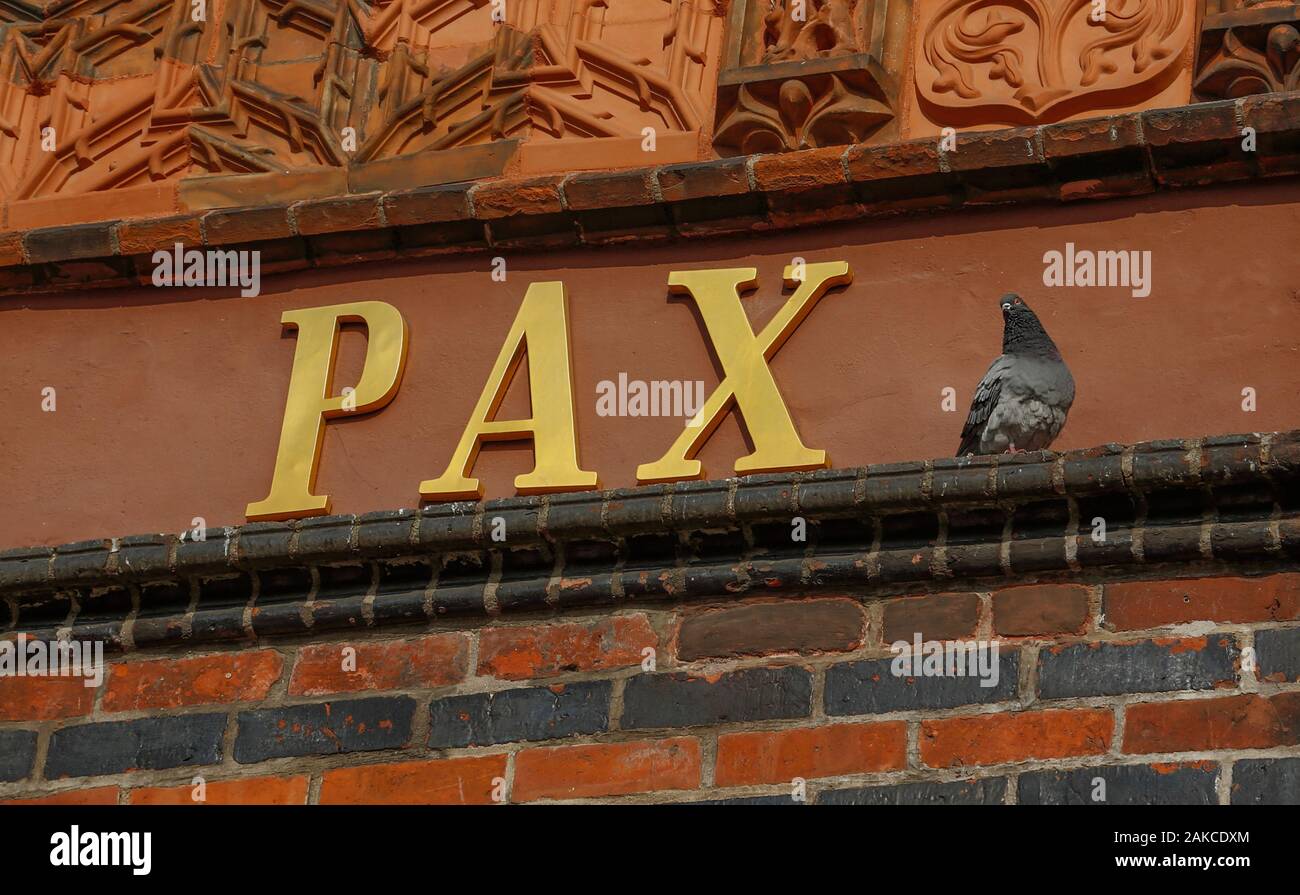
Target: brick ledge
1196, 506
1121, 155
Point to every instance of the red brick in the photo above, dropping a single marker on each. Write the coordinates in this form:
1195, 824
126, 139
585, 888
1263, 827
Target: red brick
1136, 605
435, 661
607, 769
762, 629
935, 616
1229, 722
915, 158
148, 236
99, 795
236, 225
540, 650
805, 170
249, 791
43, 698
1203, 122
608, 189
998, 738
11, 249
1040, 609
454, 781
780, 756
1070, 139
428, 204
1011, 147
335, 215
704, 180
167, 683
504, 198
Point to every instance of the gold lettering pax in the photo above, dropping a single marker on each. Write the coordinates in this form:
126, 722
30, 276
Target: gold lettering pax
541, 331
311, 400
747, 383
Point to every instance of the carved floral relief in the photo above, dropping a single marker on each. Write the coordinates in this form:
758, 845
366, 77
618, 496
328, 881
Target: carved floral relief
1248, 48
808, 74
1031, 61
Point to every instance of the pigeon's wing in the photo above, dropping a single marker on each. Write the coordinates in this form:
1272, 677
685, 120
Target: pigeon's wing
986, 398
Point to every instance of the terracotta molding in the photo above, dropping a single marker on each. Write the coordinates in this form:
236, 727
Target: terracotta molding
1247, 49
1121, 155
1173, 508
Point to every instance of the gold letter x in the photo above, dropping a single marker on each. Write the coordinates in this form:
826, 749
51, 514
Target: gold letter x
747, 382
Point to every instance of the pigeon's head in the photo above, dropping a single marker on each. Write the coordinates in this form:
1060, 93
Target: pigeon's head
1013, 306
1022, 332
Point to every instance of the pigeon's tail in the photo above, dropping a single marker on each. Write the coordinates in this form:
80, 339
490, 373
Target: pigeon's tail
969, 445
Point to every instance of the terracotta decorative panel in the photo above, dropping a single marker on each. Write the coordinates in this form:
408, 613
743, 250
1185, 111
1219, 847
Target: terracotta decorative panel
1248, 48
810, 74
138, 95
1009, 62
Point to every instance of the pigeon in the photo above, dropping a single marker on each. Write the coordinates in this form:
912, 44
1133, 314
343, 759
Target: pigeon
1022, 401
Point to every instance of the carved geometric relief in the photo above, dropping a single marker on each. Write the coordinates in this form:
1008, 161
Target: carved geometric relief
809, 74
140, 92
1030, 61
1247, 48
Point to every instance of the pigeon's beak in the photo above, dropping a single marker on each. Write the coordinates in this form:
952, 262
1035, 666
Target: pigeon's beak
1006, 306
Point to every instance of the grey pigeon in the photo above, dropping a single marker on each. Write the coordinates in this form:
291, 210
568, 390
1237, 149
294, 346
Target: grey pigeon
1021, 403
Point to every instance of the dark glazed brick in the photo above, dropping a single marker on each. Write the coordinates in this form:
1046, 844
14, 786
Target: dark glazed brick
24, 566
353, 725
325, 537
863, 688
895, 485
1144, 666
17, 752
526, 714
518, 525
680, 700
385, 530
448, 526
148, 744
1124, 785
988, 791
1278, 654
265, 541
1266, 781
70, 243
82, 561
144, 554
400, 595
208, 554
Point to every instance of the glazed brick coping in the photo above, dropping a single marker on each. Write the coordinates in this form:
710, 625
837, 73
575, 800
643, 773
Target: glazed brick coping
1120, 155
1193, 506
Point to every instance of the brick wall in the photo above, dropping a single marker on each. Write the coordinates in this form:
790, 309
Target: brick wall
1167, 690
